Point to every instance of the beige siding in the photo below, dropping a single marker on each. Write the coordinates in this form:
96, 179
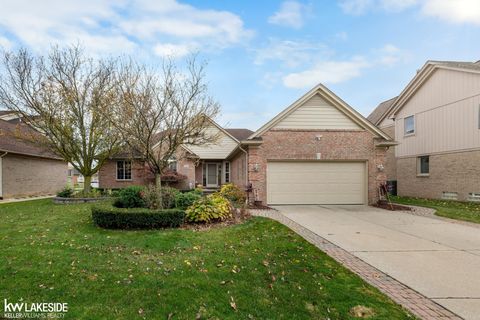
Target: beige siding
446, 110
316, 183
222, 147
26, 176
316, 113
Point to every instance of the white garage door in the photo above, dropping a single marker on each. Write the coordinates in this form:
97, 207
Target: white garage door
316, 182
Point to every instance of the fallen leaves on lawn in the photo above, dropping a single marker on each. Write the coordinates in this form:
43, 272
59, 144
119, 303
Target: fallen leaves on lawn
233, 304
360, 311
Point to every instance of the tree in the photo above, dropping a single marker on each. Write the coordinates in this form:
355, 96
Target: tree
65, 96
159, 112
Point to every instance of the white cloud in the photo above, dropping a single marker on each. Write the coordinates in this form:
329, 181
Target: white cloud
290, 14
120, 26
5, 43
326, 72
291, 53
390, 55
173, 50
457, 11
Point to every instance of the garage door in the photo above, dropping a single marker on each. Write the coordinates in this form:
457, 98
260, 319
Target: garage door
316, 182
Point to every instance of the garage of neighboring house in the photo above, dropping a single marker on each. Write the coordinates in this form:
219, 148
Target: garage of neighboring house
313, 182
319, 150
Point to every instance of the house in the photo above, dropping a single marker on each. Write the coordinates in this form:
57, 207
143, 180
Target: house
25, 168
319, 150
436, 120
208, 165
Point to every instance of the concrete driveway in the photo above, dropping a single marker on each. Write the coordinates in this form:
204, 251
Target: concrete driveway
437, 258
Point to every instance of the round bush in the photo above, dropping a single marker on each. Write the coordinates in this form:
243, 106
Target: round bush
185, 200
130, 197
233, 193
110, 217
210, 208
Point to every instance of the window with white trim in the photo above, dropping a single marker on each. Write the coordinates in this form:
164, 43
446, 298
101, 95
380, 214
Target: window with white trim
172, 164
227, 172
423, 165
409, 125
124, 170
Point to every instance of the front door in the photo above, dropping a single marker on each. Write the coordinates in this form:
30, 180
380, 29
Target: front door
212, 175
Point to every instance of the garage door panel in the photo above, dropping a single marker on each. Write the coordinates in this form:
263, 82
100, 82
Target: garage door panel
316, 182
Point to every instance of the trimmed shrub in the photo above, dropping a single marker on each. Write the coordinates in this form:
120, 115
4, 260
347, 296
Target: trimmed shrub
233, 193
66, 192
186, 199
210, 208
110, 217
130, 197
168, 197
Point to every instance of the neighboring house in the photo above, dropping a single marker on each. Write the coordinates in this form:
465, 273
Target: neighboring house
208, 165
388, 126
437, 124
317, 151
76, 179
25, 168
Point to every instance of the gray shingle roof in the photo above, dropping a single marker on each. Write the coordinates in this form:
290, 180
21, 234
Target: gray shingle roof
380, 110
11, 141
239, 134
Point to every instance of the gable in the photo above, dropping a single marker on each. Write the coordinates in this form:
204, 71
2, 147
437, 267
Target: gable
220, 149
317, 113
443, 87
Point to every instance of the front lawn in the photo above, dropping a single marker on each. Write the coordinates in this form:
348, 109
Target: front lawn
467, 211
256, 270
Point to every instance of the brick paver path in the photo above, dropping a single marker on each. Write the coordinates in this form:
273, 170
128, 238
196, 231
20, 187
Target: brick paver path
410, 299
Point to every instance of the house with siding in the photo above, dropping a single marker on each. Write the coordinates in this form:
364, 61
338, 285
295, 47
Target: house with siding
318, 150
436, 121
27, 169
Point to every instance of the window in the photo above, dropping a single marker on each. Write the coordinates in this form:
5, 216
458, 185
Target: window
409, 123
447, 195
227, 172
124, 170
424, 165
204, 174
172, 164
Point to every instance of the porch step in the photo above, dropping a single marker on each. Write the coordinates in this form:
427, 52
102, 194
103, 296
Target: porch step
210, 190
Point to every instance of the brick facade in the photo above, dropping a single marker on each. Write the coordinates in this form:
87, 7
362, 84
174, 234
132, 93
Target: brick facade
303, 145
29, 176
390, 160
238, 170
452, 172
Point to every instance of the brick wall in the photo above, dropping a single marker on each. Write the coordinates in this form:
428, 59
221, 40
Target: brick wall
141, 175
333, 145
390, 160
26, 176
453, 172
238, 169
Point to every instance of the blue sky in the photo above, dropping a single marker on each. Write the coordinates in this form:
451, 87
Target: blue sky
262, 55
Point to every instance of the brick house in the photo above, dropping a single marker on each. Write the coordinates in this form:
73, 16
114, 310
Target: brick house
436, 121
25, 168
319, 150
209, 165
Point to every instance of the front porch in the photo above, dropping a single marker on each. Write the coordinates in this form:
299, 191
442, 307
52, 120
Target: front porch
212, 174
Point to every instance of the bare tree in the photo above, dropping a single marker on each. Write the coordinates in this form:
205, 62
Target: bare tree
66, 96
159, 112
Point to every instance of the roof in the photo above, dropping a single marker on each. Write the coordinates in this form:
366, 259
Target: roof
424, 74
5, 112
380, 110
335, 101
239, 133
10, 141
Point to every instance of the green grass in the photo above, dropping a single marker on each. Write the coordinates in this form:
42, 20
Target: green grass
53, 253
466, 211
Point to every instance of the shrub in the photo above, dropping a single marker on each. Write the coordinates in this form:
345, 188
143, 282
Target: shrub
66, 192
168, 197
110, 217
130, 197
233, 193
94, 193
186, 199
210, 208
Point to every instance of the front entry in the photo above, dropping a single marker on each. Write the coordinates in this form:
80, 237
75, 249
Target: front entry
212, 175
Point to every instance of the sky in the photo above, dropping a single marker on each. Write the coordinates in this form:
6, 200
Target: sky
262, 55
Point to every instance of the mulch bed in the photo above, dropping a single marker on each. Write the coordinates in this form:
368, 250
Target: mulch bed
239, 216
391, 206
259, 207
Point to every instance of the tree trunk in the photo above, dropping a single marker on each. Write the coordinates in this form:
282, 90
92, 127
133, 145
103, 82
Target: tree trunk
87, 184
158, 188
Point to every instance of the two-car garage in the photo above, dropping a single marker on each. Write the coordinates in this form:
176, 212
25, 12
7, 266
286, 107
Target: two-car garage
316, 182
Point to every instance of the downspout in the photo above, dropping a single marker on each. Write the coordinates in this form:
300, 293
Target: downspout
1, 173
